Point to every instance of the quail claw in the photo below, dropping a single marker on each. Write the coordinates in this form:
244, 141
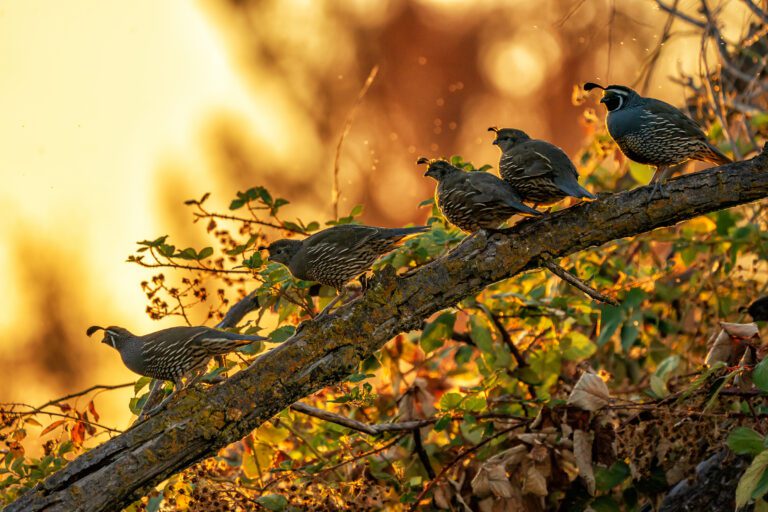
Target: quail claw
658, 188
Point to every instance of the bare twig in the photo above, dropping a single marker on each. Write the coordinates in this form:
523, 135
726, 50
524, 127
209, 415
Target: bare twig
336, 192
578, 283
99, 387
463, 455
418, 447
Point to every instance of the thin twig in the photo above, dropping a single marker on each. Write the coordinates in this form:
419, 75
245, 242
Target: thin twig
456, 460
578, 283
336, 192
418, 447
56, 401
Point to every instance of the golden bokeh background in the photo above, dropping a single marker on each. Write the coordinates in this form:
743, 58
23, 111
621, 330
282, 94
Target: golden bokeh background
114, 113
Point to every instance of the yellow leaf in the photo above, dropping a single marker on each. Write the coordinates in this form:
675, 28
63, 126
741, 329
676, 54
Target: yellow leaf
750, 478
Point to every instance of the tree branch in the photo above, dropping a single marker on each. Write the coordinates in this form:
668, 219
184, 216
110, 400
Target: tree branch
200, 422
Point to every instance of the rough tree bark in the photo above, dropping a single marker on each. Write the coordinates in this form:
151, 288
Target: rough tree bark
200, 422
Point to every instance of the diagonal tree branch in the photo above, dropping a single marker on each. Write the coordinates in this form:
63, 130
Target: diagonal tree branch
200, 422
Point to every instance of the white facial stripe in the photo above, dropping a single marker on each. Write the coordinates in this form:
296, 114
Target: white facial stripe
621, 92
111, 335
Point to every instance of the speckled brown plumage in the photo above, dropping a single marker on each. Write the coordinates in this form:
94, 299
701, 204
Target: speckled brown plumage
336, 255
473, 200
540, 172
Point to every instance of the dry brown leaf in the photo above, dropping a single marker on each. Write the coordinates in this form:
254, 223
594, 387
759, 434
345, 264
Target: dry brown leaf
728, 345
442, 496
492, 479
582, 450
742, 331
535, 483
590, 393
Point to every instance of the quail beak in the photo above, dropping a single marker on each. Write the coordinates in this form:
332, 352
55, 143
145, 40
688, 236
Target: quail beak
604, 99
496, 142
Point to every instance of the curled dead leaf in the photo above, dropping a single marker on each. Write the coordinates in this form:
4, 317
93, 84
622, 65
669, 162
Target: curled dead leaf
728, 345
492, 479
582, 450
534, 483
590, 393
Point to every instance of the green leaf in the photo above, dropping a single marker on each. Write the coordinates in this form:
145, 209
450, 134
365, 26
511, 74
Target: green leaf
744, 440
474, 404
604, 504
577, 346
435, 333
608, 478
750, 479
667, 366
762, 487
281, 334
236, 204
480, 333
442, 423
610, 319
356, 211
274, 502
760, 375
658, 387
450, 401
167, 250
141, 383
359, 377
205, 253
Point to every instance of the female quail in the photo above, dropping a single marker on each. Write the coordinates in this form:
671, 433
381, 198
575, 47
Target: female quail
539, 171
171, 354
653, 132
473, 200
337, 255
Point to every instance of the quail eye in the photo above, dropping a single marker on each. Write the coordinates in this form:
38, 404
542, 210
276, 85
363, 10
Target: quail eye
613, 102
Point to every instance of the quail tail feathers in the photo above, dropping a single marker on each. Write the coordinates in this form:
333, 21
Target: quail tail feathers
572, 188
714, 155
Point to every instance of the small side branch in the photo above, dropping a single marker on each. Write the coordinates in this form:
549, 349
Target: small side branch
578, 283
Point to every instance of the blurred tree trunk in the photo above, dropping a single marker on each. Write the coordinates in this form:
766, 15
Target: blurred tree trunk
200, 422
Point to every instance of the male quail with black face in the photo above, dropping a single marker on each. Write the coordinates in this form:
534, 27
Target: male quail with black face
653, 132
539, 171
337, 255
171, 354
473, 200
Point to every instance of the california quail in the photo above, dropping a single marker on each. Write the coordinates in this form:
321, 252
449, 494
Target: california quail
473, 200
539, 171
653, 132
336, 255
171, 354
758, 310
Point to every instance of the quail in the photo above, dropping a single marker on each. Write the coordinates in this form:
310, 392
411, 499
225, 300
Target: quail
337, 255
653, 132
171, 354
539, 171
473, 200
758, 310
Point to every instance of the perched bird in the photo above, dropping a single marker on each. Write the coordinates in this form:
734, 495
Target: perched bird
650, 131
171, 354
539, 171
758, 310
337, 255
473, 200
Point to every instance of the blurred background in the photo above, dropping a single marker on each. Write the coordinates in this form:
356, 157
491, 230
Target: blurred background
114, 113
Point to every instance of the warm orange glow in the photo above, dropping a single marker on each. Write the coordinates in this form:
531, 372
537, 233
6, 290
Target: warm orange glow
114, 113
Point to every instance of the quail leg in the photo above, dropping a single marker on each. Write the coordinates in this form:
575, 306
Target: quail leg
326, 310
658, 180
